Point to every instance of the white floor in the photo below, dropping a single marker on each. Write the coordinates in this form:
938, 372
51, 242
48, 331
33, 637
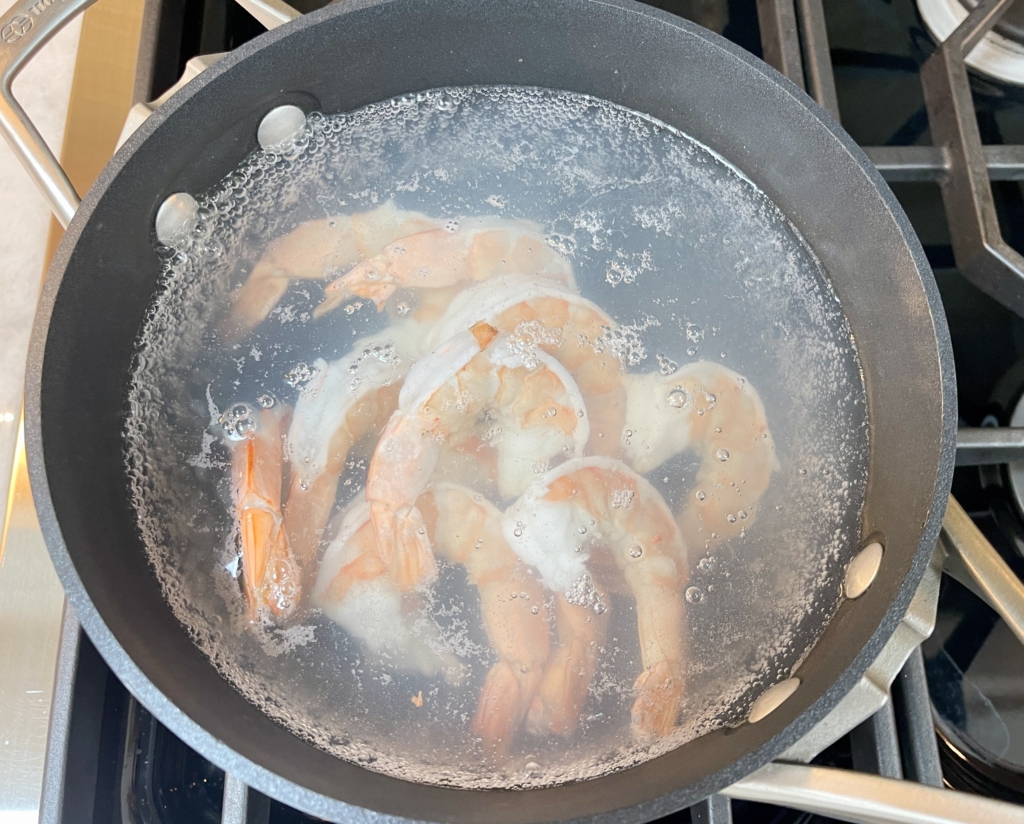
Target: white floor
43, 90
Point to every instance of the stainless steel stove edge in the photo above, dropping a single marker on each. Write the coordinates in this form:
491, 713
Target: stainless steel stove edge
871, 693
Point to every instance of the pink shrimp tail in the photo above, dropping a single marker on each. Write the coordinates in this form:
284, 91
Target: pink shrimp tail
404, 546
659, 692
496, 714
364, 281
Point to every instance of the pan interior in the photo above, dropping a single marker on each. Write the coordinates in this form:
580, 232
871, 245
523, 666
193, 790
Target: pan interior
694, 265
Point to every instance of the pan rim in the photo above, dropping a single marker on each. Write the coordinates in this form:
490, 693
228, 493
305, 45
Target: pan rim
250, 771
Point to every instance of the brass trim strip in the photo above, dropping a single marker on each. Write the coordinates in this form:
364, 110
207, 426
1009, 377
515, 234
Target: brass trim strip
102, 92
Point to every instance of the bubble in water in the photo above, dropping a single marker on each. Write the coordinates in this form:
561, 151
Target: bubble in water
722, 454
582, 593
694, 333
535, 609
528, 337
635, 550
299, 374
266, 401
624, 343
694, 595
666, 365
622, 498
742, 513
678, 398
239, 421
700, 495
704, 401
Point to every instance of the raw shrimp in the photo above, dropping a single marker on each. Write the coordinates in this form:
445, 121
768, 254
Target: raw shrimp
537, 313
354, 590
345, 400
442, 399
717, 413
438, 259
586, 527
270, 575
316, 250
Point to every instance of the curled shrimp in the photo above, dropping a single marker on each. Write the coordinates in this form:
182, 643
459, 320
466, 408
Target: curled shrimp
441, 400
586, 526
538, 313
316, 250
438, 259
270, 575
715, 412
355, 590
344, 401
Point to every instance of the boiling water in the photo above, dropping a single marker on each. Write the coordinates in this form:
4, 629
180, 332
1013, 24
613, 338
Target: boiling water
693, 263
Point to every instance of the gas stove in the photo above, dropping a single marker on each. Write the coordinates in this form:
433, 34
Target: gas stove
944, 704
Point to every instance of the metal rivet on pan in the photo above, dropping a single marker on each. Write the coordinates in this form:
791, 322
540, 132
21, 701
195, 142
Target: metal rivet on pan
173, 215
279, 125
863, 569
772, 699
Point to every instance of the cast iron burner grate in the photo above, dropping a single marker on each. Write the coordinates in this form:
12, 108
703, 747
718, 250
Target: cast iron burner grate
862, 61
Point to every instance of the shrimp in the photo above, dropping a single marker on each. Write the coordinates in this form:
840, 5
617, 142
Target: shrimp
467, 530
586, 526
717, 413
270, 574
444, 395
345, 400
540, 313
355, 590
437, 259
314, 250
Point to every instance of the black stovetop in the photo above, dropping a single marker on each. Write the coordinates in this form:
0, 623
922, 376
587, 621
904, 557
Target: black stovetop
123, 765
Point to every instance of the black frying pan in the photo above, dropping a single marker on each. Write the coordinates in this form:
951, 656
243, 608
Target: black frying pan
346, 56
